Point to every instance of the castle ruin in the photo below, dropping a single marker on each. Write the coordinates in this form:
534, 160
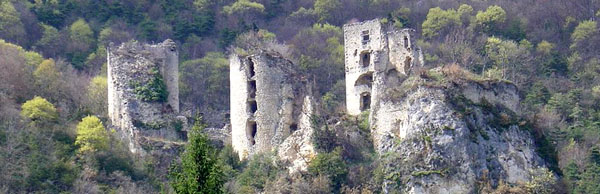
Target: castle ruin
268, 102
376, 54
143, 92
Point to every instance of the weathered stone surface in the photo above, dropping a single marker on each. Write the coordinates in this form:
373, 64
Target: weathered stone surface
298, 149
267, 99
451, 138
135, 65
373, 51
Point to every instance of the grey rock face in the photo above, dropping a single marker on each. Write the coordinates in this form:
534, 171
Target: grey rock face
143, 93
452, 138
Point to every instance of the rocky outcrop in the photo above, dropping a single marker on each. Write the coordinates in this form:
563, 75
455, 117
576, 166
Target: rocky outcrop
444, 135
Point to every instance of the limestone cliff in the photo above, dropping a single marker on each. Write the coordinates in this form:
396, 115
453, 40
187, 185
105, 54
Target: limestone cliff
444, 131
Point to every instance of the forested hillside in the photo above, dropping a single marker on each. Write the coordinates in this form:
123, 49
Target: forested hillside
53, 86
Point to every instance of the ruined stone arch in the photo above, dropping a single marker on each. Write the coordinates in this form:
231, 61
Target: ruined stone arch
364, 79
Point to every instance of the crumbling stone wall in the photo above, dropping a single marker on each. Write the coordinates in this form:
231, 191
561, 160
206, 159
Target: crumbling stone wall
143, 92
267, 99
376, 54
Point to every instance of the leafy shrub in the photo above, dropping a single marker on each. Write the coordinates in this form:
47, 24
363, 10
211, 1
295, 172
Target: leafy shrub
91, 135
331, 165
155, 90
39, 110
258, 172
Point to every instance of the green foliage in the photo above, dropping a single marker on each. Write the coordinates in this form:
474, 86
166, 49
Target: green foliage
200, 171
583, 31
589, 180
542, 181
325, 9
80, 31
324, 138
438, 20
258, 172
242, 7
491, 17
545, 47
363, 122
11, 27
39, 110
331, 165
320, 52
427, 173
206, 80
153, 90
91, 135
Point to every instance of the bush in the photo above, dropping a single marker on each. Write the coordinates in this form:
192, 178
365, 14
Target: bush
39, 110
154, 90
331, 165
258, 172
91, 135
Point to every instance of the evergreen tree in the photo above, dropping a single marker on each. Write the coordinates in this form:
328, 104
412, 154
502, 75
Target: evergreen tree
200, 171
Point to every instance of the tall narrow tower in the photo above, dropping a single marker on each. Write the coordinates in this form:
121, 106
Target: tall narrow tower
267, 97
143, 91
375, 52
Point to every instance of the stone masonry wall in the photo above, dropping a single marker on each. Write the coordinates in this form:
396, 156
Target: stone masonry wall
267, 97
134, 68
374, 53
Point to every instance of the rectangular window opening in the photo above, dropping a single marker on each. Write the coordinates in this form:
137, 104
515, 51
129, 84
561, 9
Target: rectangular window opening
365, 101
252, 89
251, 67
252, 106
251, 128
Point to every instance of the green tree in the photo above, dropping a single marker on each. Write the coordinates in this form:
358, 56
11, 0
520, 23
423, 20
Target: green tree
243, 7
97, 94
326, 9
11, 27
200, 170
439, 20
49, 41
545, 47
81, 32
205, 81
39, 110
48, 79
81, 40
583, 31
91, 135
491, 17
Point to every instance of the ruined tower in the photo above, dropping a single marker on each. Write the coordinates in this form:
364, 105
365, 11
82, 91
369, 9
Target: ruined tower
375, 53
267, 99
143, 91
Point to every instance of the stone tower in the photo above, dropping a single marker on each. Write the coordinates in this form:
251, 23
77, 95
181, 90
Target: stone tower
267, 102
143, 91
375, 53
